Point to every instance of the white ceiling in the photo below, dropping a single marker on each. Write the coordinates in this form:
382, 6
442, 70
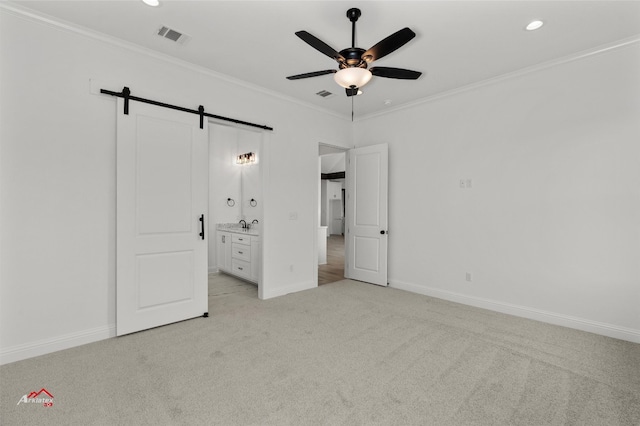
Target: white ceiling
457, 43
332, 163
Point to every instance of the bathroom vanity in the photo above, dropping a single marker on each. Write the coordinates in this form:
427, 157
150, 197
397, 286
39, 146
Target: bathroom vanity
238, 251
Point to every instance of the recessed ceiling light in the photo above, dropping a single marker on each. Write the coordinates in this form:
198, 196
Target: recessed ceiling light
153, 3
534, 25
388, 101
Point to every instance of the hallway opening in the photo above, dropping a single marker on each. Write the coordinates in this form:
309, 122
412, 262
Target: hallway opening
333, 270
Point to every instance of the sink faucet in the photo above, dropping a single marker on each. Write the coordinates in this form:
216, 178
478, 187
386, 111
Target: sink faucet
244, 224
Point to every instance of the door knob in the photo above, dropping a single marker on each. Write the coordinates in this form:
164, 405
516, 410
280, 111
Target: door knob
383, 232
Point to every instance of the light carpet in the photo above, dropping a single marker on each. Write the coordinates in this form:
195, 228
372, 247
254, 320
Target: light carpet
346, 353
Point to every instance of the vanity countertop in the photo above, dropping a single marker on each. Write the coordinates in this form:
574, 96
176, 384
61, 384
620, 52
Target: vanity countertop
237, 228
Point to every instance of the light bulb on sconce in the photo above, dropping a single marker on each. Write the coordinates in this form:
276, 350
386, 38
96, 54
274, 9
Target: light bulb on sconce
247, 158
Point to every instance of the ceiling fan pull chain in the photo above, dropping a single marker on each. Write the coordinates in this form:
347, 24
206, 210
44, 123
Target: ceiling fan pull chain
352, 97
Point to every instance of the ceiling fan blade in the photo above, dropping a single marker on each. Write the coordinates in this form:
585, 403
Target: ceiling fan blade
398, 73
310, 74
320, 45
388, 45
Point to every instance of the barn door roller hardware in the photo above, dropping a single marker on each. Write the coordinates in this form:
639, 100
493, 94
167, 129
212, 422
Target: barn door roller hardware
126, 95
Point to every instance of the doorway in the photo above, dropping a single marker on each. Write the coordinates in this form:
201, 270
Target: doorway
366, 215
235, 209
331, 261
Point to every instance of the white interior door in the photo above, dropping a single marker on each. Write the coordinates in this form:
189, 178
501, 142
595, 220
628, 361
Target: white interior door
366, 219
161, 196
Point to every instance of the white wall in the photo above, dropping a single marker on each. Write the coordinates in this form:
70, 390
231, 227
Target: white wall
225, 181
551, 226
225, 177
57, 178
251, 176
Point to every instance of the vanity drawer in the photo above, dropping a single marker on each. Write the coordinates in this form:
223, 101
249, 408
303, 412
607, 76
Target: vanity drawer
241, 268
241, 239
241, 251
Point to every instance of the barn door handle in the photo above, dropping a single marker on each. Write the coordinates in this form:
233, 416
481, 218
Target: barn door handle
202, 226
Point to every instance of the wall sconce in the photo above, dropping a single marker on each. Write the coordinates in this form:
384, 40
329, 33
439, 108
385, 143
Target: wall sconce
247, 158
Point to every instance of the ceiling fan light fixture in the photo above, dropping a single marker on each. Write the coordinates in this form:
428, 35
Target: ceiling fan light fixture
350, 77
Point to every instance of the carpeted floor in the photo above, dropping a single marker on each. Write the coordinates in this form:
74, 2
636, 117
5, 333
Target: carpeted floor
345, 353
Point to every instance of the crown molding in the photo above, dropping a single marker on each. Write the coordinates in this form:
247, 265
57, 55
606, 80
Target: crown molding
618, 44
86, 32
38, 17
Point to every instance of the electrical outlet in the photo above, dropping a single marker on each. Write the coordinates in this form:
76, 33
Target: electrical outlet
469, 183
293, 216
462, 183
469, 276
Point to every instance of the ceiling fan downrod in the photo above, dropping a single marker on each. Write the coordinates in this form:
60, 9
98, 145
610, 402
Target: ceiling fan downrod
353, 14
353, 55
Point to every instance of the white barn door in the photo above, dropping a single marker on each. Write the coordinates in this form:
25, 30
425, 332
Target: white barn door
366, 227
161, 196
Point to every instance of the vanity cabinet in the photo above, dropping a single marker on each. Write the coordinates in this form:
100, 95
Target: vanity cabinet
239, 254
255, 259
223, 250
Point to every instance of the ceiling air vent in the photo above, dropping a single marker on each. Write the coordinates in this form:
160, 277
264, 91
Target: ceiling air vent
324, 93
173, 35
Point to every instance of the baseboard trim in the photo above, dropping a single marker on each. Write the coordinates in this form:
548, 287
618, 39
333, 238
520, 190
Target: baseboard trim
42, 347
582, 324
288, 289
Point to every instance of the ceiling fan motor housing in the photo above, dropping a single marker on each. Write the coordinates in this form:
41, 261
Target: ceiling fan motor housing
353, 58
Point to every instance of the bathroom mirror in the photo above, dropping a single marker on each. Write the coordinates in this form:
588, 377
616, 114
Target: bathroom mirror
230, 180
251, 192
248, 143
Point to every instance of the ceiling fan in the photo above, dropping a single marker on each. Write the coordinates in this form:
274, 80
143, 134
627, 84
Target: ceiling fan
354, 61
